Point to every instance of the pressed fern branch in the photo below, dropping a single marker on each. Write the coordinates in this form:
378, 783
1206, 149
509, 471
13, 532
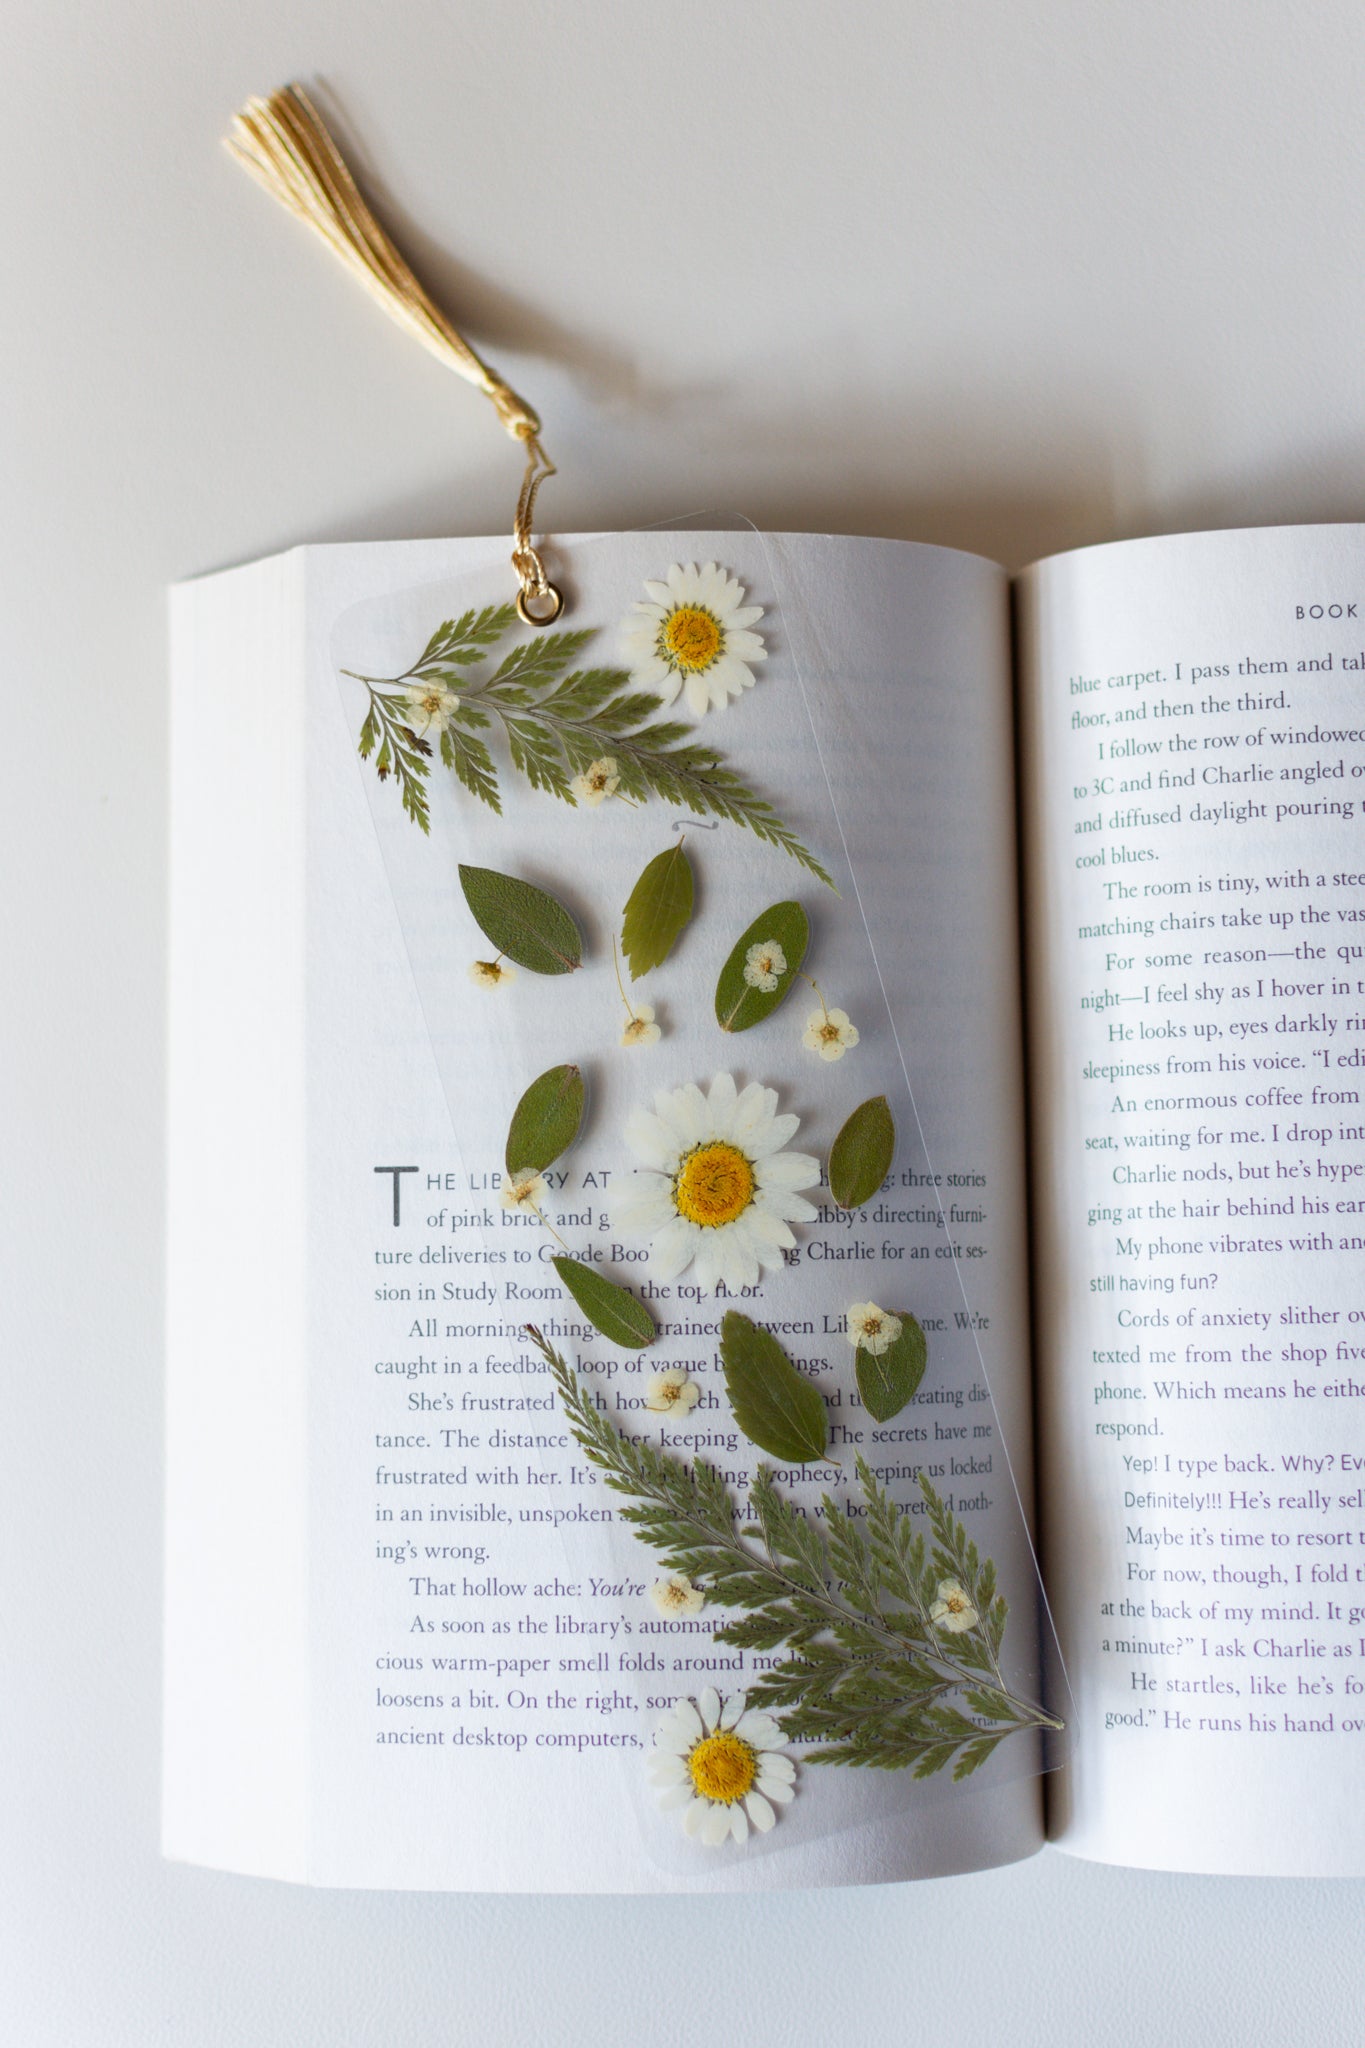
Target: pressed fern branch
556, 720
871, 1678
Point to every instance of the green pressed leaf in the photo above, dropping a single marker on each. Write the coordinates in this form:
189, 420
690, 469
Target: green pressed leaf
776, 1406
739, 1004
613, 1310
522, 921
657, 911
545, 1122
860, 1157
889, 1379
864, 1678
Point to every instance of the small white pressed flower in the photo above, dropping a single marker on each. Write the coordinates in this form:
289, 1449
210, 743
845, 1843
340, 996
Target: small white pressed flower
829, 1033
871, 1328
599, 780
953, 1612
642, 1030
491, 973
674, 1595
764, 964
524, 1193
720, 1766
714, 1185
693, 633
672, 1392
432, 706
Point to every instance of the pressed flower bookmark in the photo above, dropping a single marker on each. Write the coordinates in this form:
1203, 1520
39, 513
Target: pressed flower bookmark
285, 145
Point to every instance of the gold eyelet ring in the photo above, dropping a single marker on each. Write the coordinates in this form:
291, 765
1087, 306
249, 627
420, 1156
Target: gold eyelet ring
549, 596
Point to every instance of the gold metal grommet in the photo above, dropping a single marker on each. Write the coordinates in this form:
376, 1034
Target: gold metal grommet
548, 605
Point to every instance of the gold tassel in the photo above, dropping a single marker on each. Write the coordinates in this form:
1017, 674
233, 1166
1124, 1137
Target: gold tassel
283, 143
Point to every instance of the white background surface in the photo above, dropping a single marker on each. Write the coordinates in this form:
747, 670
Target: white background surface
1011, 278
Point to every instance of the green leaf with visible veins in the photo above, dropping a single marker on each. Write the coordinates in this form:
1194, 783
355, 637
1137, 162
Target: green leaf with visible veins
739, 1004
545, 1122
613, 1310
888, 1379
874, 1684
776, 1406
860, 1157
657, 911
528, 925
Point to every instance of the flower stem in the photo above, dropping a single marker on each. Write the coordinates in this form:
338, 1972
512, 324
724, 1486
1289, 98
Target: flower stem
818, 990
535, 1211
616, 966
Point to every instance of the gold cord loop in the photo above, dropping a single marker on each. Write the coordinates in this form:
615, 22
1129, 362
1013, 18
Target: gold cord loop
284, 144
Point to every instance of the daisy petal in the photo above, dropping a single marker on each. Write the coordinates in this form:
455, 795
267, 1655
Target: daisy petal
759, 1811
716, 1826
776, 1789
769, 1140
708, 1706
759, 1730
787, 1170
674, 1249
688, 1720
652, 1140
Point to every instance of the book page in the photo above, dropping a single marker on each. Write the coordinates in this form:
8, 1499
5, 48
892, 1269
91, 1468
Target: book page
492, 1650
1195, 720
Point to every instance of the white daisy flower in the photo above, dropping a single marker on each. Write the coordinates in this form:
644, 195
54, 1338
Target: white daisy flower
693, 633
641, 1029
432, 706
524, 1193
721, 1766
491, 973
872, 1328
599, 780
676, 1595
717, 1189
672, 1392
829, 1033
953, 1612
764, 964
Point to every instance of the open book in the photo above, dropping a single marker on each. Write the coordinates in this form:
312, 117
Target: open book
657, 1374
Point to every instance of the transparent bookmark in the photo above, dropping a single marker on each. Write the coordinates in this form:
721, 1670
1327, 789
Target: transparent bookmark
708, 894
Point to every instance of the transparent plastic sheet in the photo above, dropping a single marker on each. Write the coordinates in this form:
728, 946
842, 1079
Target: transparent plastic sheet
862, 742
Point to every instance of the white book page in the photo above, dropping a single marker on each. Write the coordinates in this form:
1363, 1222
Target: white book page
474, 1774
1195, 724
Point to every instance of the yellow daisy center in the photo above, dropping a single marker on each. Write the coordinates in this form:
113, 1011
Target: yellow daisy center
723, 1768
715, 1184
691, 638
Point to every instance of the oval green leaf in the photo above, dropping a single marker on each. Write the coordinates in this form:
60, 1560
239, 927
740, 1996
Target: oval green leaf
891, 1378
776, 1406
740, 1002
545, 1122
658, 909
522, 921
860, 1157
613, 1310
